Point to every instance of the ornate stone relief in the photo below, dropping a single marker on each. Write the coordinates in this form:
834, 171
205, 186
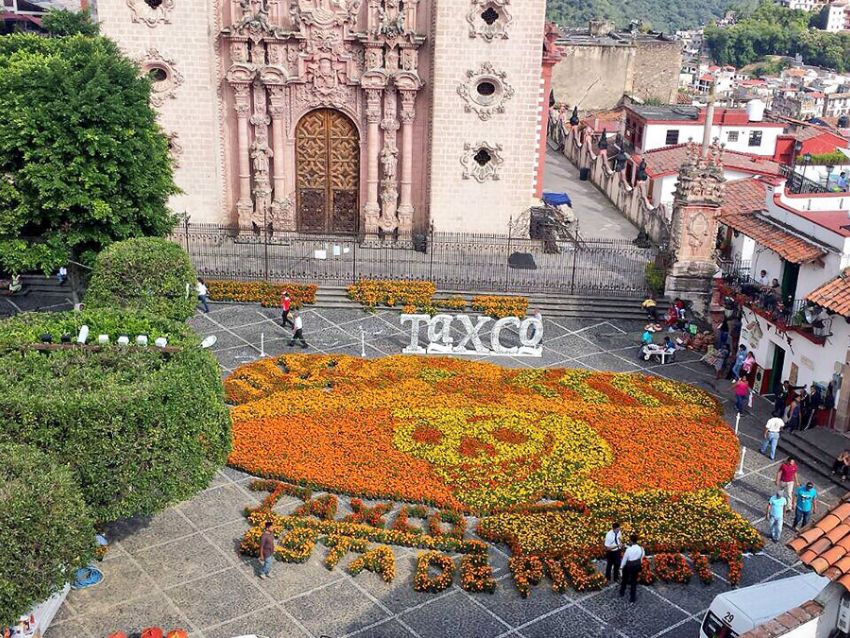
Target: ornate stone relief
489, 19
163, 74
481, 161
150, 12
485, 91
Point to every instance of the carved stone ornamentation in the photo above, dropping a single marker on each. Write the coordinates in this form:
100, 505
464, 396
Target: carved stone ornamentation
163, 74
485, 91
151, 12
489, 19
481, 161
701, 178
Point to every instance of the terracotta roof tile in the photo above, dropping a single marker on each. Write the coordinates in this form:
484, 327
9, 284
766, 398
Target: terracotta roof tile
743, 196
785, 244
829, 522
837, 533
835, 296
811, 535
825, 546
821, 545
819, 564
832, 555
668, 160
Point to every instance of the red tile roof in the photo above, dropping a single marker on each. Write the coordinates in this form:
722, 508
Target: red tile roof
668, 160
787, 622
742, 200
835, 296
825, 545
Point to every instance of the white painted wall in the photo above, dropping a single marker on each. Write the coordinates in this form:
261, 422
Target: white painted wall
655, 136
664, 188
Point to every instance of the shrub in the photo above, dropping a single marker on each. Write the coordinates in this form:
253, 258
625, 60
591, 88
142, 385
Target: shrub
500, 306
28, 327
266, 293
655, 277
149, 274
139, 428
392, 292
47, 529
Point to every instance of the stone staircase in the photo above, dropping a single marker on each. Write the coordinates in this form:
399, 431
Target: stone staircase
591, 307
44, 285
815, 448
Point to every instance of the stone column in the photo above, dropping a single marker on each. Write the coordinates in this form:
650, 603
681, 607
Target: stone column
373, 147
282, 207
405, 208
244, 207
388, 222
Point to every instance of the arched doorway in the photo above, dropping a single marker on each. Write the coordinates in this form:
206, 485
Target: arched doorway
327, 170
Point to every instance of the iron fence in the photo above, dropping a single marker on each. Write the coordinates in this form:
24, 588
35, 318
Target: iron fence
453, 261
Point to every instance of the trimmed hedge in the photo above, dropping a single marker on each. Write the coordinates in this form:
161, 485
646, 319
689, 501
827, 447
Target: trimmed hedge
47, 530
28, 327
148, 274
140, 429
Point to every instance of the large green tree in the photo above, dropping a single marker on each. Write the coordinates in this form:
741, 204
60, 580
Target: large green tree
83, 162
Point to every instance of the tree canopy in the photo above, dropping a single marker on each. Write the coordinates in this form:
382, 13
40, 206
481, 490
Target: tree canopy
61, 22
775, 30
83, 162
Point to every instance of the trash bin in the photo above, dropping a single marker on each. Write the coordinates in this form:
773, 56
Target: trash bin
584, 174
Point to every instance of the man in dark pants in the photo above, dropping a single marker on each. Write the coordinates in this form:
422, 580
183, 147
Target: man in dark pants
297, 335
285, 305
613, 547
631, 564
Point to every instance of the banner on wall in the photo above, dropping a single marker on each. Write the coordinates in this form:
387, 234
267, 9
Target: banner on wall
441, 339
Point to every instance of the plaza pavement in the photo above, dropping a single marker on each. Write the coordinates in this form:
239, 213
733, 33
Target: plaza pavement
182, 567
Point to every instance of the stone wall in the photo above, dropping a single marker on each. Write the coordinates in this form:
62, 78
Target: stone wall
174, 39
503, 126
593, 76
657, 64
596, 75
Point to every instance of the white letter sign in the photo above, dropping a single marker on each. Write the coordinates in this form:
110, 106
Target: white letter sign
440, 340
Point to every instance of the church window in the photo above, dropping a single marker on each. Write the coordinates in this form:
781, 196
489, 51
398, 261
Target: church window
485, 88
158, 74
153, 4
482, 157
490, 15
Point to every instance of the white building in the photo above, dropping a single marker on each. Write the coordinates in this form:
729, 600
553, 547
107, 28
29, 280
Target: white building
804, 5
838, 17
652, 127
802, 241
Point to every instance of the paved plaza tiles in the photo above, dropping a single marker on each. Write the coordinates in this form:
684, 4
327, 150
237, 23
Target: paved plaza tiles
181, 568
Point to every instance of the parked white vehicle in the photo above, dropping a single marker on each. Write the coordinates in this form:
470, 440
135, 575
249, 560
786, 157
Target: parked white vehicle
736, 612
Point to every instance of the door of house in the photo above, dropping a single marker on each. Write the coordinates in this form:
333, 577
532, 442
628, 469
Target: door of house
327, 155
776, 368
790, 272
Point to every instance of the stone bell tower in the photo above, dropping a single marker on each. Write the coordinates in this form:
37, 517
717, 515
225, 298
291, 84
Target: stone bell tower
696, 206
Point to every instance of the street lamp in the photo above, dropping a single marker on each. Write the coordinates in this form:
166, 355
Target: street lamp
829, 169
798, 146
603, 141
620, 160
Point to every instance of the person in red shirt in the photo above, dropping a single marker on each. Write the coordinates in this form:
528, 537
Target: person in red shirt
786, 479
742, 391
285, 305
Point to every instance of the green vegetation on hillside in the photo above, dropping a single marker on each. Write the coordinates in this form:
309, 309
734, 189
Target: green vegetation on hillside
775, 30
663, 15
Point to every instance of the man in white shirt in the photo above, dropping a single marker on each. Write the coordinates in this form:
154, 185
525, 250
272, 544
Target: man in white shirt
763, 280
297, 335
771, 435
613, 547
631, 564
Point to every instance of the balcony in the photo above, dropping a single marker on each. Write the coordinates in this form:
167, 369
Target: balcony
790, 315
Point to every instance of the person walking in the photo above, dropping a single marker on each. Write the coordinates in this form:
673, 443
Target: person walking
613, 547
806, 504
650, 307
780, 398
285, 305
786, 480
735, 370
201, 288
775, 513
266, 551
630, 565
298, 335
62, 275
742, 391
771, 435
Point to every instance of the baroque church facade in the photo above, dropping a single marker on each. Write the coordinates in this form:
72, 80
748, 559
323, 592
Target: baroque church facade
373, 117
